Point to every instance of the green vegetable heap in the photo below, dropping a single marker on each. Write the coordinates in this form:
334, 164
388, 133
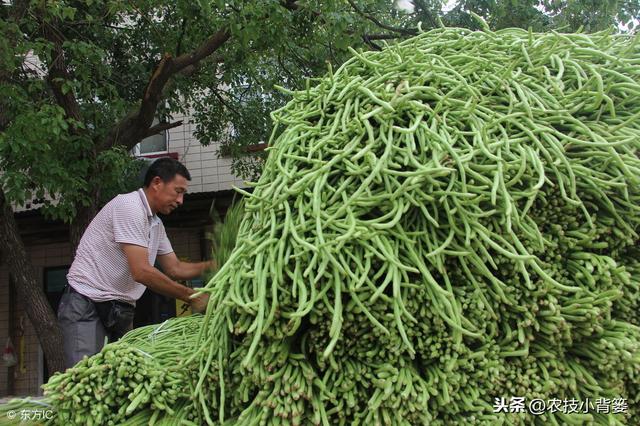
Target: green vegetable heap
443, 223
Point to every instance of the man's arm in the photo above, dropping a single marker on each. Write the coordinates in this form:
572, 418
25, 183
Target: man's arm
144, 273
179, 270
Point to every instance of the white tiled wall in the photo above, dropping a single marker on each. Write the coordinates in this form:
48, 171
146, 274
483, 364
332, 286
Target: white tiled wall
208, 172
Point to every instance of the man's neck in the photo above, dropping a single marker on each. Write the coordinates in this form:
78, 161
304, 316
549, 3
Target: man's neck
149, 200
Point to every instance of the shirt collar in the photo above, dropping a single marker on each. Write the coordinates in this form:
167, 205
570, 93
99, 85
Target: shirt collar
152, 217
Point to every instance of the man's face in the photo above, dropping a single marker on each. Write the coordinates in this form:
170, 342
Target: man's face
169, 195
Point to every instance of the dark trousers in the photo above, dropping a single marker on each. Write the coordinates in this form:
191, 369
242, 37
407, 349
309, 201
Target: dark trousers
87, 325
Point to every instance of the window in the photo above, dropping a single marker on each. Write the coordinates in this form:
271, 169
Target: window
156, 144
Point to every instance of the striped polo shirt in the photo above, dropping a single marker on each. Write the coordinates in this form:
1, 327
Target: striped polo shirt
100, 269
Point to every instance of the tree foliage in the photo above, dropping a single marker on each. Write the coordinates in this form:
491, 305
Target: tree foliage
545, 15
109, 50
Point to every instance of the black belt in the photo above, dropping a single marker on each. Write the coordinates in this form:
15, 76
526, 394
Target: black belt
69, 289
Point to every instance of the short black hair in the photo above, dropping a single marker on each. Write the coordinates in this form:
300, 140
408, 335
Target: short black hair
166, 168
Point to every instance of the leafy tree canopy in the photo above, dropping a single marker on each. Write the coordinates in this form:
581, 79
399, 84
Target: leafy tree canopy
81, 80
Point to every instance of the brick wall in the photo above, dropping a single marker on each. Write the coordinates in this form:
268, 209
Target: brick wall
27, 382
185, 243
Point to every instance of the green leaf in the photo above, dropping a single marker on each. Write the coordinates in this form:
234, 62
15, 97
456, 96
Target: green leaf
68, 13
66, 88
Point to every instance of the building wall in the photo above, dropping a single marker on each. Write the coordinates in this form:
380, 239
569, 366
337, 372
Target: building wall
186, 243
27, 380
208, 172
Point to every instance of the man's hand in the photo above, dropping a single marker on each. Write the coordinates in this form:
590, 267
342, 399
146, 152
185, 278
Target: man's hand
199, 303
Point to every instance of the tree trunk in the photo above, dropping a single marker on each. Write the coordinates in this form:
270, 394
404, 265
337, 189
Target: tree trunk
27, 289
83, 218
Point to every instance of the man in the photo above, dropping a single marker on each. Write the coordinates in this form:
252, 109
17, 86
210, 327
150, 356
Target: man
114, 263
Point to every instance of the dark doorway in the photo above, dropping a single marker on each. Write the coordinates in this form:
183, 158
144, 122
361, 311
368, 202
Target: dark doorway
153, 308
54, 281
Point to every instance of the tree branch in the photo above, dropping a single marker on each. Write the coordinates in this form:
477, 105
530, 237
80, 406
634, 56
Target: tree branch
154, 130
422, 10
58, 73
133, 127
285, 69
290, 4
91, 23
367, 40
293, 5
226, 104
204, 50
183, 26
380, 36
373, 19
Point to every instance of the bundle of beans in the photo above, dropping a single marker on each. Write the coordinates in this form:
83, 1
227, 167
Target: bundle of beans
448, 221
139, 373
443, 223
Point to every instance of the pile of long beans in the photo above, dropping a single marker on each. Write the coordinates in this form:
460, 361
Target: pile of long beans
443, 223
